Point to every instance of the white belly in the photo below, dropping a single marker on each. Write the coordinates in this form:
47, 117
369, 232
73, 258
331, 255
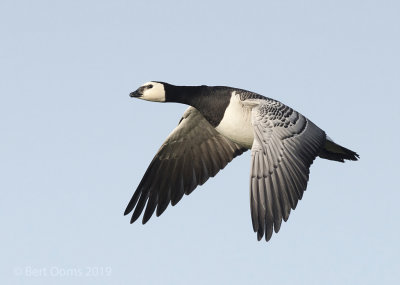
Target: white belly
236, 123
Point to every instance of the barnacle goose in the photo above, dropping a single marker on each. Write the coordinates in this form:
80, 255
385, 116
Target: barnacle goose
220, 124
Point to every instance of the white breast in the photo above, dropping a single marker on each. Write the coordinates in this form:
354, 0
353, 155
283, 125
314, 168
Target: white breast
236, 123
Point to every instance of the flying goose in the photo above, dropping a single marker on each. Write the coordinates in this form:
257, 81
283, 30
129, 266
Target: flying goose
220, 124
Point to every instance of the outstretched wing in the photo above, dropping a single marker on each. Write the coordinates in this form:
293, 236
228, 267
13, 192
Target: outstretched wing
191, 154
285, 145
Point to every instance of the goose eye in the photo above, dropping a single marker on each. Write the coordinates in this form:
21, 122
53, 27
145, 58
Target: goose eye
150, 86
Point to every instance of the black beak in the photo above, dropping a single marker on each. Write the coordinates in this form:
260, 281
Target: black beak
135, 94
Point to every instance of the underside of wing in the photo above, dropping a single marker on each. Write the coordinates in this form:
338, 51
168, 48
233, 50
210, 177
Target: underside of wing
191, 154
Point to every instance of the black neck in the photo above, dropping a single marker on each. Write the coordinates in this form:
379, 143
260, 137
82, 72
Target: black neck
210, 101
189, 95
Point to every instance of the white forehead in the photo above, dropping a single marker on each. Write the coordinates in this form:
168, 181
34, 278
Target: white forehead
152, 83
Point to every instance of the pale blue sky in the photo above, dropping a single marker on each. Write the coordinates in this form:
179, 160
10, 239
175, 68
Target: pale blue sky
74, 145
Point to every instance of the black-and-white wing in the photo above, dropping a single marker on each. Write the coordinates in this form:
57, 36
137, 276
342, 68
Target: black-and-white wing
285, 145
191, 154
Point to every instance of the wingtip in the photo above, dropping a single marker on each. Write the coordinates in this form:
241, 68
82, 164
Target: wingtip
134, 218
126, 212
146, 218
353, 157
268, 235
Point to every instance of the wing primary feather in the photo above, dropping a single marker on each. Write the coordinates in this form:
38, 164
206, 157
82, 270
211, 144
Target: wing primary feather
269, 217
292, 188
261, 205
274, 204
295, 180
151, 205
284, 185
156, 187
282, 195
254, 203
145, 192
199, 167
164, 196
140, 206
300, 171
132, 203
259, 184
187, 175
176, 189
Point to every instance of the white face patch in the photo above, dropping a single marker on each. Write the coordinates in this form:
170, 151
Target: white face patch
153, 91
